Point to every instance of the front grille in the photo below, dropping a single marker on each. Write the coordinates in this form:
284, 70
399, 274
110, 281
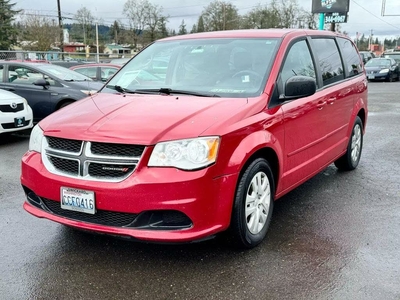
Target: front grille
101, 217
105, 170
6, 108
12, 125
65, 165
64, 144
90, 160
116, 149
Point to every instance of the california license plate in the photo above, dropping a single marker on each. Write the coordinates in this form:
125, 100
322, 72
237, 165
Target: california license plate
78, 200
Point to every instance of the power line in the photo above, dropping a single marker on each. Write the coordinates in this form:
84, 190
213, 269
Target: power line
375, 15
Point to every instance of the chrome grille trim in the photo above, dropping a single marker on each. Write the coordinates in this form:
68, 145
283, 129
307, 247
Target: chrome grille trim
94, 167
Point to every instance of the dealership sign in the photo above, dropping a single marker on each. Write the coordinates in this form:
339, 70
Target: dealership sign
330, 6
335, 18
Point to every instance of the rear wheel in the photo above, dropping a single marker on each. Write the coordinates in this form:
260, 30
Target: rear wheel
349, 161
253, 206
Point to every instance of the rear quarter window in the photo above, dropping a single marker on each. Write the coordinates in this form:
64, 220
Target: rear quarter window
329, 61
351, 59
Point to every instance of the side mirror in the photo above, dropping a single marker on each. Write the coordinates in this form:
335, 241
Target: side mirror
299, 87
41, 82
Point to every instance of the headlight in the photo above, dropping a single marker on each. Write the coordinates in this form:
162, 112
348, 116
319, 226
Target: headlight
187, 154
89, 92
384, 71
35, 141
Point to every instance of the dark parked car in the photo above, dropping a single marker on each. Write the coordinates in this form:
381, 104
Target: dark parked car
97, 72
46, 87
382, 69
367, 56
395, 55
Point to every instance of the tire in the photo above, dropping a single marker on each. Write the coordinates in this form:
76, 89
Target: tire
389, 78
349, 161
253, 205
65, 104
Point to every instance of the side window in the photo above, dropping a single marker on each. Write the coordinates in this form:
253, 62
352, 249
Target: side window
107, 72
1, 73
25, 76
89, 72
351, 58
298, 62
330, 63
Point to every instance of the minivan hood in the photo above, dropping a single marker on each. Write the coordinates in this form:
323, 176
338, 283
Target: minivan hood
139, 119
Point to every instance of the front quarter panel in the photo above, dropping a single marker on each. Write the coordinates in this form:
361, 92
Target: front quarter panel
238, 148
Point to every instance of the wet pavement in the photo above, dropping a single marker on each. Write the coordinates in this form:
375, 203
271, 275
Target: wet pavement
334, 237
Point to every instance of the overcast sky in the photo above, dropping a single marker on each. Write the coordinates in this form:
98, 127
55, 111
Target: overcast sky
364, 15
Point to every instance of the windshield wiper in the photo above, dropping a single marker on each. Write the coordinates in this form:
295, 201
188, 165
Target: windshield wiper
120, 89
169, 91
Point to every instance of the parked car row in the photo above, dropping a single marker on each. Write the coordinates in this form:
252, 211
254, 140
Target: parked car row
46, 87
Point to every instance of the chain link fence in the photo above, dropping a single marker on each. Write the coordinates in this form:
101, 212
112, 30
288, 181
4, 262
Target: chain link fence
62, 58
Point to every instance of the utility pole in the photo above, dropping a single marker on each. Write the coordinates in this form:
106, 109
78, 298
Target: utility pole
61, 29
97, 42
370, 39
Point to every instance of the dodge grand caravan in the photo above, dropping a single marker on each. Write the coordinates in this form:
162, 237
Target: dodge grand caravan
204, 143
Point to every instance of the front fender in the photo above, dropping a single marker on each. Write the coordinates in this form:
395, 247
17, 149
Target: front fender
257, 143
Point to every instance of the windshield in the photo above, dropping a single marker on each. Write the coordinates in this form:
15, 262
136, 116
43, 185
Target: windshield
217, 67
378, 62
63, 73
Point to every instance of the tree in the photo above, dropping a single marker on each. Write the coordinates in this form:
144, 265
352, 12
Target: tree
154, 20
200, 24
194, 29
8, 33
182, 28
136, 11
115, 30
220, 15
162, 27
85, 21
42, 32
261, 17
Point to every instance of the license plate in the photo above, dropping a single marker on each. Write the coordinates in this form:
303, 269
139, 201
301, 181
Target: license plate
19, 122
371, 76
78, 200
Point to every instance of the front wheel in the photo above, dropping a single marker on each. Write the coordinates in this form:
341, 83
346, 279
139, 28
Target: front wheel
253, 206
349, 161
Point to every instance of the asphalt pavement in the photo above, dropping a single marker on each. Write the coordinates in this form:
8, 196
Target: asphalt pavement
334, 237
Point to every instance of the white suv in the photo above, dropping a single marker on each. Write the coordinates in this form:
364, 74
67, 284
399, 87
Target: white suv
15, 113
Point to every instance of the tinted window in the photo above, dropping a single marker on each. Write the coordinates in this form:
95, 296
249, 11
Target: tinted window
25, 75
330, 63
298, 62
351, 58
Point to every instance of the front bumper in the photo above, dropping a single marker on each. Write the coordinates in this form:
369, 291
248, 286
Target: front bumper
7, 120
378, 76
204, 200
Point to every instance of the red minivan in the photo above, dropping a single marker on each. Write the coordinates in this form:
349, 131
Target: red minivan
200, 134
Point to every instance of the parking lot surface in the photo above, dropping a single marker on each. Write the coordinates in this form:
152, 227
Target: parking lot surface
334, 237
